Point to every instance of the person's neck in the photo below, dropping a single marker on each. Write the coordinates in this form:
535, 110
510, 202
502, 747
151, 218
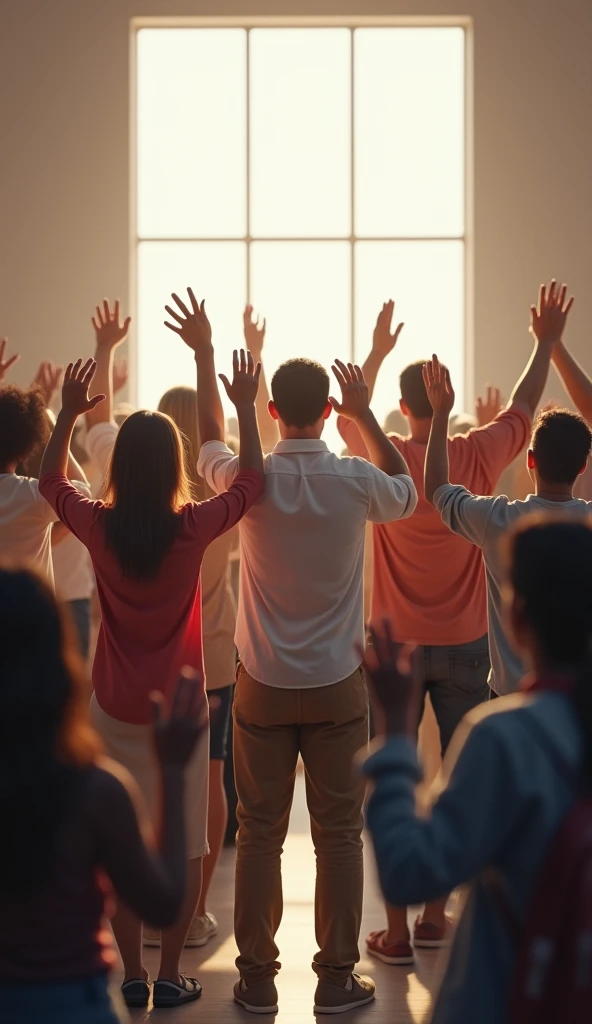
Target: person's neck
420, 430
300, 433
554, 492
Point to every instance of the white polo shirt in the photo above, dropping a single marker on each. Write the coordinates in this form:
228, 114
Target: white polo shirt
302, 558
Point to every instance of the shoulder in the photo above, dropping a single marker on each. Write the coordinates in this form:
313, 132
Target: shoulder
110, 786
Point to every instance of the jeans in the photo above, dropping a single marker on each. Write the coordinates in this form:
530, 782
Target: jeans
328, 726
456, 679
82, 1001
80, 612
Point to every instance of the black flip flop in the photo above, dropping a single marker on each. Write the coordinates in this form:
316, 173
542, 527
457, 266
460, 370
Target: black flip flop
168, 993
136, 992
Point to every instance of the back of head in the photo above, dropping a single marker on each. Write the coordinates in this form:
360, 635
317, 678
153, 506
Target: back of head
147, 486
24, 426
550, 573
181, 405
561, 443
45, 734
300, 391
413, 391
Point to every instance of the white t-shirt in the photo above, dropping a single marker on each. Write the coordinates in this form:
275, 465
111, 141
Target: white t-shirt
302, 558
72, 569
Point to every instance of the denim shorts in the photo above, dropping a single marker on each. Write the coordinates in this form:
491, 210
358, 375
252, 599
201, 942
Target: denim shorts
89, 1000
219, 721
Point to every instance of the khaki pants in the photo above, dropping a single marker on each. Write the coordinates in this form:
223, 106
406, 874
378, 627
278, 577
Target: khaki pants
327, 725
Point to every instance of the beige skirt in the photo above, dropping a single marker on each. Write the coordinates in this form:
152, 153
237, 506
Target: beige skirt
131, 746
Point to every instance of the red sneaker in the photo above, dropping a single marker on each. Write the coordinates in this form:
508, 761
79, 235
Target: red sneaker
398, 953
430, 936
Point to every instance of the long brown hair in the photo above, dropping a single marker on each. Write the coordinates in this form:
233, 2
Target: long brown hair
180, 404
147, 486
46, 739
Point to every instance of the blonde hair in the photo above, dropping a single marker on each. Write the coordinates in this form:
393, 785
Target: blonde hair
180, 404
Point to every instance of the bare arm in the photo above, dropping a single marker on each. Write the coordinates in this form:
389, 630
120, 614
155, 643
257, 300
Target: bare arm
110, 334
195, 330
254, 331
75, 403
547, 324
355, 405
440, 393
242, 392
383, 343
575, 380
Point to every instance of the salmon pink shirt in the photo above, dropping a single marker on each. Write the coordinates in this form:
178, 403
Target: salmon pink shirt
150, 628
428, 581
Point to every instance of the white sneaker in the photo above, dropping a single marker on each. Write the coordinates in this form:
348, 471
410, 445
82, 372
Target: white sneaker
201, 931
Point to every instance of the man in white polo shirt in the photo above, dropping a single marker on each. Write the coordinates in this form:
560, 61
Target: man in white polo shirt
300, 687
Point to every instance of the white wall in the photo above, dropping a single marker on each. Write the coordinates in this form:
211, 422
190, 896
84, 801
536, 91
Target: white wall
64, 162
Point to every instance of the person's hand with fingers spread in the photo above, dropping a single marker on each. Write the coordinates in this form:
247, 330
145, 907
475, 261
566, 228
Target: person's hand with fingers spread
395, 691
192, 325
383, 341
548, 318
242, 390
47, 380
355, 401
120, 375
77, 380
254, 332
176, 735
488, 407
5, 363
438, 386
109, 331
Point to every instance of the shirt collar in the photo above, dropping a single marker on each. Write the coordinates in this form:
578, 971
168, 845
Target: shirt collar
300, 444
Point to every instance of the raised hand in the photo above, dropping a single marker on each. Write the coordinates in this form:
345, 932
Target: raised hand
77, 380
488, 407
120, 375
109, 332
395, 690
5, 363
192, 325
245, 380
548, 318
47, 380
355, 400
175, 736
438, 386
254, 331
383, 342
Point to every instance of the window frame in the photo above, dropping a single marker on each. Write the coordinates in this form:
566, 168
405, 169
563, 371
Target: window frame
347, 22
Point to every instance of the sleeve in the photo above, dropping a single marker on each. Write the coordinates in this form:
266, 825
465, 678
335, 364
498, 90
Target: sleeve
421, 859
464, 513
73, 508
389, 497
220, 514
500, 442
218, 465
100, 441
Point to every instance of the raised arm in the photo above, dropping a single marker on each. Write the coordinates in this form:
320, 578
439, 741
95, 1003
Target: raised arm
47, 380
242, 392
109, 335
194, 328
6, 363
383, 343
152, 884
254, 331
575, 380
439, 388
355, 406
75, 403
547, 322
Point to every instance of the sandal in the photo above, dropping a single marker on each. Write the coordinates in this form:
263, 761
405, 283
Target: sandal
169, 993
135, 992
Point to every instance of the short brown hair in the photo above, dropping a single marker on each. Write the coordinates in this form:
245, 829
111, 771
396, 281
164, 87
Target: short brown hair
300, 391
561, 443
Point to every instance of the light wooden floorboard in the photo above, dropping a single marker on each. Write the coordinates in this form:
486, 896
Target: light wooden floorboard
403, 994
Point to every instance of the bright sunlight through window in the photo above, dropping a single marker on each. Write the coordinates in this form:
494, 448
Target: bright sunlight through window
315, 172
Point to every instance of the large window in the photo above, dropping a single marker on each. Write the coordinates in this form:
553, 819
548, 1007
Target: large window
313, 171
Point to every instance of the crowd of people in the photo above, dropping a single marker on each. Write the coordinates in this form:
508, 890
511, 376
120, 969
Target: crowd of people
114, 793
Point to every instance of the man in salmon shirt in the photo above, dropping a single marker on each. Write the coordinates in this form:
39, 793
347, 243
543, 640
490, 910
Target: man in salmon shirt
431, 583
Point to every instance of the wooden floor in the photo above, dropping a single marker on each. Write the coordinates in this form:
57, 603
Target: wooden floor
403, 994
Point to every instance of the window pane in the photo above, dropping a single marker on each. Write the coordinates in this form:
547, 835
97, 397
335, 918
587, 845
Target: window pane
409, 131
426, 279
217, 272
303, 290
300, 132
191, 133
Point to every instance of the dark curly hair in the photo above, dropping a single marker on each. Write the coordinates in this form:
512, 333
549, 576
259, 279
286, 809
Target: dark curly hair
24, 426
